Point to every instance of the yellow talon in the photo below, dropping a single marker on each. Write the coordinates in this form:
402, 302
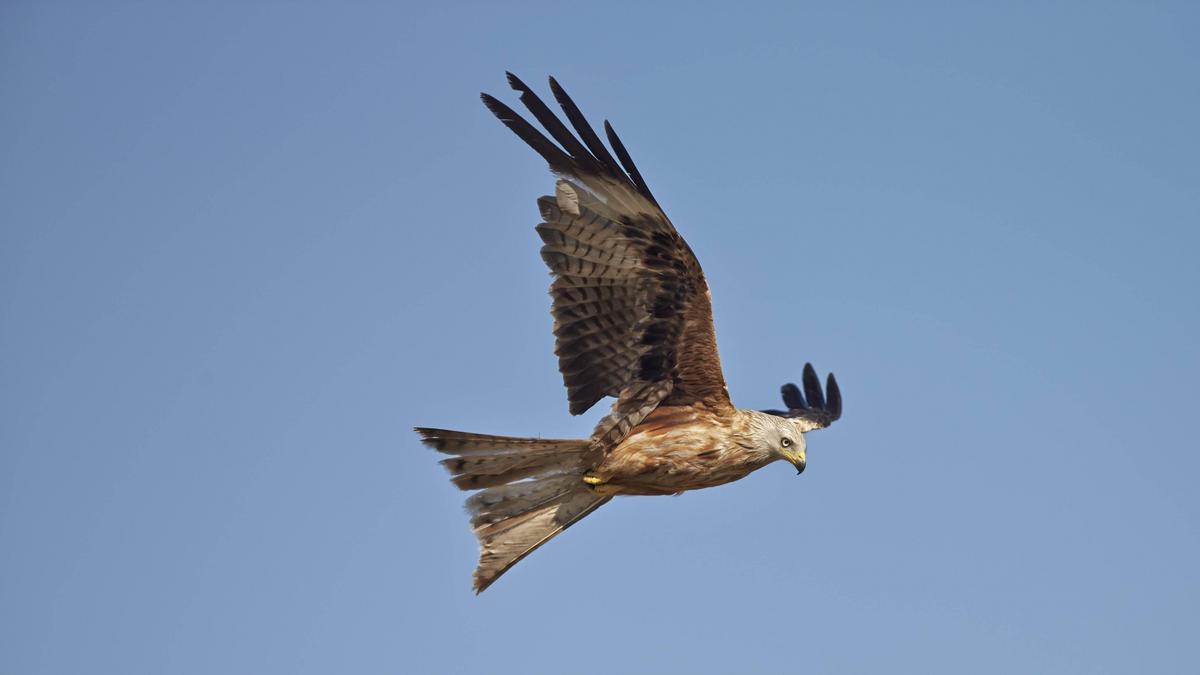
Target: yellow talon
598, 486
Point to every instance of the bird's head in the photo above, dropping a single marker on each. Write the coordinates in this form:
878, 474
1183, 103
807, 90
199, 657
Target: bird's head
785, 438
807, 410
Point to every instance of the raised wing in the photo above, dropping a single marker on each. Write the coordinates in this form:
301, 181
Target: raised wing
816, 408
632, 311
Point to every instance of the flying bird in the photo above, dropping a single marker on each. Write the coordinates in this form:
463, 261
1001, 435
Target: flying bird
632, 320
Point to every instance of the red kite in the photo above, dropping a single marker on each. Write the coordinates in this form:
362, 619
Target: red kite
632, 320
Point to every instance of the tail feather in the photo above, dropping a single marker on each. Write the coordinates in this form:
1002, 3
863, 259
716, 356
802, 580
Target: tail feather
507, 542
530, 490
482, 471
505, 501
464, 443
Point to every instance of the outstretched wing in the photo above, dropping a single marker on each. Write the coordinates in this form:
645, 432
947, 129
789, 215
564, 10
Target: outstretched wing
632, 311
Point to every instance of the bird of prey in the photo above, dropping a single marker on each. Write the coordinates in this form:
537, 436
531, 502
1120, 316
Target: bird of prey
632, 320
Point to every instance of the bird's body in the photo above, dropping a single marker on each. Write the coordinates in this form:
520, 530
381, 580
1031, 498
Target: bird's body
633, 320
681, 448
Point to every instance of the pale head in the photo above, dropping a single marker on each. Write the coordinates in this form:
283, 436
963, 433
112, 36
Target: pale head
786, 440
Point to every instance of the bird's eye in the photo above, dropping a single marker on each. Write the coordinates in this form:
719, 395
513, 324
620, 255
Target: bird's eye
787, 442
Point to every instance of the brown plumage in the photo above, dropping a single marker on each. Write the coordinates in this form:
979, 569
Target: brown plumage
632, 320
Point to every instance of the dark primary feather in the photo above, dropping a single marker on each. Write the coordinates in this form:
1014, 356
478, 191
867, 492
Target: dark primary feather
584, 129
812, 387
835, 398
631, 304
572, 157
626, 160
551, 123
792, 398
553, 155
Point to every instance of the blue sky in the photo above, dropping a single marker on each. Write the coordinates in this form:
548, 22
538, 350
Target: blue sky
244, 249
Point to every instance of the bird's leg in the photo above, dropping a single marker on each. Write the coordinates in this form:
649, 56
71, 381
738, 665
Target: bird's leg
598, 486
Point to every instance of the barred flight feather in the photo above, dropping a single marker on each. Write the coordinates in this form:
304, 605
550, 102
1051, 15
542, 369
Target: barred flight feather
570, 312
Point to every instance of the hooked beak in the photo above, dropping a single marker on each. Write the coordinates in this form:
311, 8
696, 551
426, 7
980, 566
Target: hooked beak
797, 461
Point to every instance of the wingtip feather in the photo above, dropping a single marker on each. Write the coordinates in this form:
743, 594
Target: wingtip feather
834, 394
793, 399
812, 387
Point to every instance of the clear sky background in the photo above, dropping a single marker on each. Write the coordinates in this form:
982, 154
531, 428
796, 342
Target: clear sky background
245, 248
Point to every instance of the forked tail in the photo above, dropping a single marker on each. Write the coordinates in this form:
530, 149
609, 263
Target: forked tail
530, 489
